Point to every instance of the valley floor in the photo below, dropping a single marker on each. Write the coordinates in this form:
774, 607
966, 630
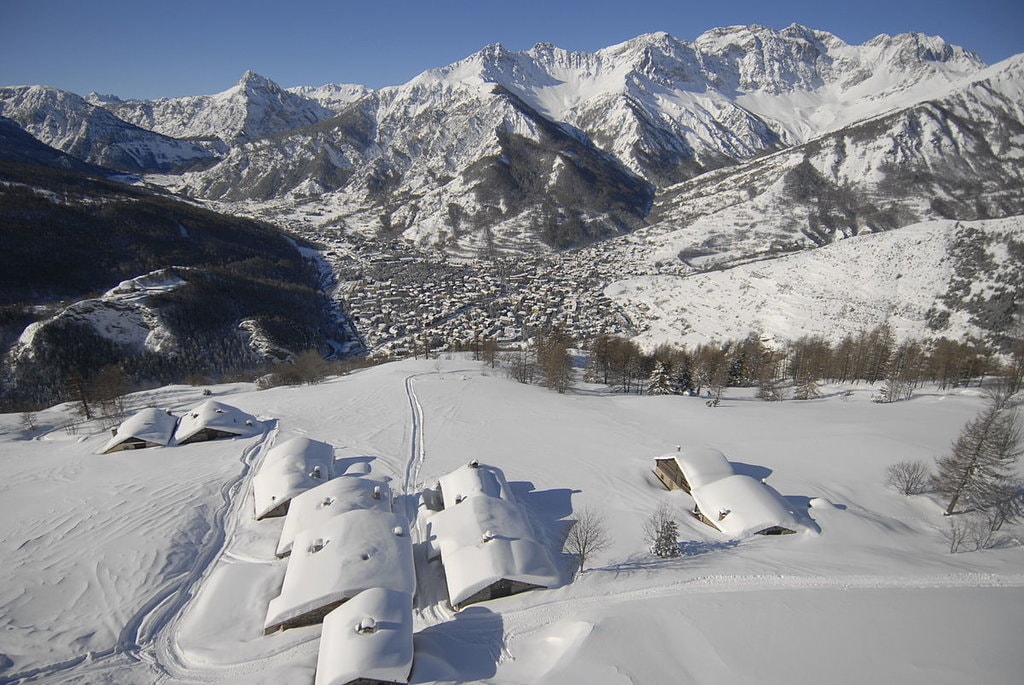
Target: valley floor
147, 566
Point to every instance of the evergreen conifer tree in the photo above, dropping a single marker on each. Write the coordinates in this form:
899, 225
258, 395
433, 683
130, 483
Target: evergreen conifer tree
984, 457
667, 542
660, 382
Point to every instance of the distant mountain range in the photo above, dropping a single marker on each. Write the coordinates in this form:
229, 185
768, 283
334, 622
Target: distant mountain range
743, 145
550, 148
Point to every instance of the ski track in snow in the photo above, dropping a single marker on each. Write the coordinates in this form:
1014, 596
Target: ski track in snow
417, 452
147, 634
429, 608
164, 650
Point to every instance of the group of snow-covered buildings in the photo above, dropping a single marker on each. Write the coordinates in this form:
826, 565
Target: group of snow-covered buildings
152, 427
734, 503
351, 557
484, 540
350, 563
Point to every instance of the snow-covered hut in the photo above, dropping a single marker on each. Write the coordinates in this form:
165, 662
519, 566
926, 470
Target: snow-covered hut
473, 479
337, 559
149, 427
488, 549
367, 640
691, 468
290, 468
327, 500
213, 420
740, 506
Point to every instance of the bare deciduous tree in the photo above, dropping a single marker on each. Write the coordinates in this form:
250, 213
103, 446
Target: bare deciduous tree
1004, 503
520, 365
653, 524
588, 536
79, 392
909, 477
971, 532
28, 421
490, 352
311, 367
956, 534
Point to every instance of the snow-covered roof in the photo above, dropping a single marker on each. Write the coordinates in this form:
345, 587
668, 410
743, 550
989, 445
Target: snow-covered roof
701, 465
330, 499
218, 416
369, 637
340, 557
471, 480
150, 425
483, 540
739, 506
290, 468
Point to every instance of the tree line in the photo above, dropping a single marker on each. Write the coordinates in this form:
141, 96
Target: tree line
791, 370
795, 368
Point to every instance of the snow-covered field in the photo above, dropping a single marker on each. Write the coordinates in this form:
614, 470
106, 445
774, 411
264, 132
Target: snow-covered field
147, 566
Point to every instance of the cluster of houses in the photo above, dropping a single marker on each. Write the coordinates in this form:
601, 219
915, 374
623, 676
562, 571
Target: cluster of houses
351, 564
403, 298
735, 504
152, 427
484, 540
350, 556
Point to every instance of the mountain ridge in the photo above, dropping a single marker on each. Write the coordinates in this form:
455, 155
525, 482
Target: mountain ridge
653, 158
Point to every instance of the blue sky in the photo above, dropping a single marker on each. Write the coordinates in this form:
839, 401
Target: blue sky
153, 48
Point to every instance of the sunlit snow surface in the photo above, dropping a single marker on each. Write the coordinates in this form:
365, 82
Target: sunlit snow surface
147, 566
850, 285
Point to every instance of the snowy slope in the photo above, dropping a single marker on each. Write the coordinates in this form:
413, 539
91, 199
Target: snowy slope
955, 156
148, 565
122, 315
904, 277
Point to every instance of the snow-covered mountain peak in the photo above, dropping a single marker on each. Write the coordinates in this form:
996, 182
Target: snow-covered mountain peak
100, 99
428, 155
69, 123
658, 40
915, 48
333, 96
253, 108
253, 85
759, 58
494, 64
658, 57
